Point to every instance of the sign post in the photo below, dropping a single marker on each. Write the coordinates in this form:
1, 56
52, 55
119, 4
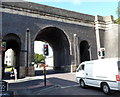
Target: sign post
0, 65
3, 84
44, 72
46, 53
2, 48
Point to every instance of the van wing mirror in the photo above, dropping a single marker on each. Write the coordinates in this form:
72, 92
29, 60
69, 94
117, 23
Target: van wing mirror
77, 70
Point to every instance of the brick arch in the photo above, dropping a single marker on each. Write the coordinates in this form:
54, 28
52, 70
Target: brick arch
60, 45
13, 42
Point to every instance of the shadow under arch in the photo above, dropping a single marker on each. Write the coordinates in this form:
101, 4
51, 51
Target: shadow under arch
60, 46
13, 42
84, 51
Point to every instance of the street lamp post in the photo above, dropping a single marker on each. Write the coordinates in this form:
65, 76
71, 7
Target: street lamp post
75, 49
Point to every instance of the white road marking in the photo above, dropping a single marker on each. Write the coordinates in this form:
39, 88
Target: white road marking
69, 86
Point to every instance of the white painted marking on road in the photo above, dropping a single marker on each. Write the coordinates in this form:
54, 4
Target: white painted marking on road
70, 86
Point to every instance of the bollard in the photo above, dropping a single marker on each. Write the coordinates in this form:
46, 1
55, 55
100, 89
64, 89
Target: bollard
15, 72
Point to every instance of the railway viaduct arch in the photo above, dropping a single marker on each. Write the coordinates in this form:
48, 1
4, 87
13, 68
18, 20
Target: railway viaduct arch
74, 37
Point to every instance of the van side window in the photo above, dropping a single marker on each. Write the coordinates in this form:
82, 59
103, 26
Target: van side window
82, 67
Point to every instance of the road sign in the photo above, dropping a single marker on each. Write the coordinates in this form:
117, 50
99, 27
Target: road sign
2, 46
3, 86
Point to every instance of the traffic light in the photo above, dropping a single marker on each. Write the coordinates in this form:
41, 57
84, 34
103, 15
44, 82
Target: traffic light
3, 44
46, 53
101, 53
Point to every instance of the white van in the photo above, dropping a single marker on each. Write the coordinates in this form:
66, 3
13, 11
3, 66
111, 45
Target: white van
102, 73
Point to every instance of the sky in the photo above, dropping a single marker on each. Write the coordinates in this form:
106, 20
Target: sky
91, 7
38, 48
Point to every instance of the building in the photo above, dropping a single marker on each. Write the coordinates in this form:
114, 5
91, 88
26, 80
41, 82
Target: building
49, 61
9, 57
74, 37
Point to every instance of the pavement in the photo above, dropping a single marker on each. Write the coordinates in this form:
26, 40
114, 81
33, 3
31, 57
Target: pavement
28, 85
34, 85
56, 84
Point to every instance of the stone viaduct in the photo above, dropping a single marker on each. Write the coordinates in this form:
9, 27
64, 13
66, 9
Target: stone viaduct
74, 37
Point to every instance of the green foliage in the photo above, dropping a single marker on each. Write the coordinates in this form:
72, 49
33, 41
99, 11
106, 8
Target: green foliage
38, 58
118, 11
117, 21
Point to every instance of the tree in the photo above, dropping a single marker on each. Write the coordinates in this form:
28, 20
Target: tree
38, 58
117, 21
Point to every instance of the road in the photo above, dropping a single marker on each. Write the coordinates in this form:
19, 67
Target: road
58, 83
64, 84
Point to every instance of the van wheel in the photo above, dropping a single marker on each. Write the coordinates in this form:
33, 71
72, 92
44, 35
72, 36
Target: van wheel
82, 84
106, 88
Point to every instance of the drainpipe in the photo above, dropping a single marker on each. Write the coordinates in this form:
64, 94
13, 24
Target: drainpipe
27, 44
97, 27
75, 57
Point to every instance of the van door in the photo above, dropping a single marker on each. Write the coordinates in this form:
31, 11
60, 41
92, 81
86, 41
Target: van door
80, 73
89, 74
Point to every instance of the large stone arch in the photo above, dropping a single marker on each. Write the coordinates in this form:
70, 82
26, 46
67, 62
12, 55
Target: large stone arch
59, 42
13, 41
